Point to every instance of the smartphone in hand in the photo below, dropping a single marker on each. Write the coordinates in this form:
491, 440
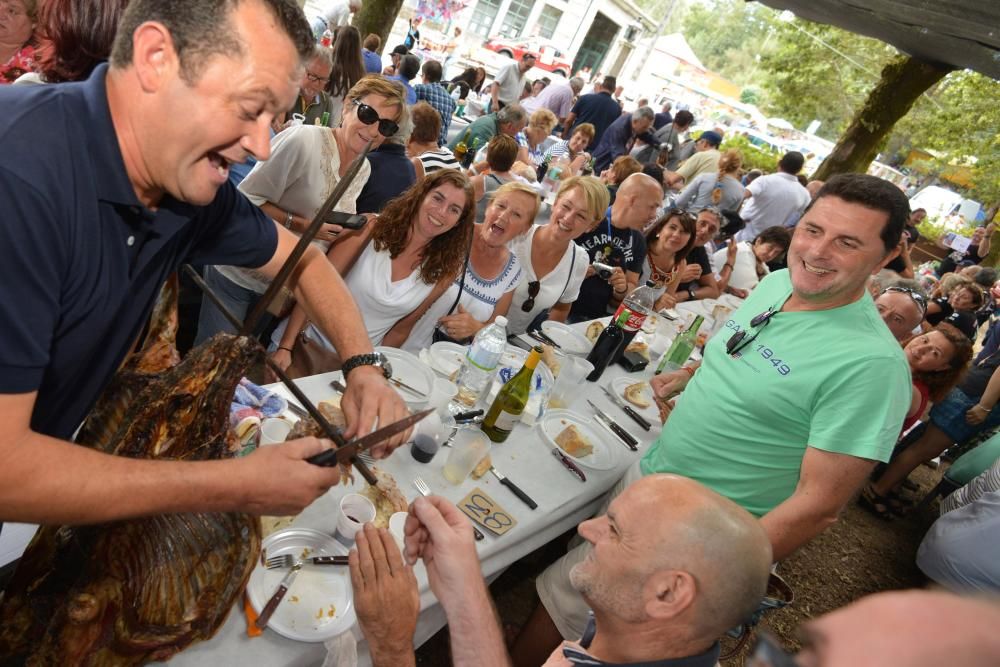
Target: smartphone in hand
345, 220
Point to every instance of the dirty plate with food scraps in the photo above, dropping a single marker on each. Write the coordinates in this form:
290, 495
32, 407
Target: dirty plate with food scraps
604, 456
618, 386
320, 603
567, 338
445, 358
408, 368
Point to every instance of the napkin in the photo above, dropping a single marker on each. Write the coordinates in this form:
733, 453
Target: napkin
342, 650
251, 400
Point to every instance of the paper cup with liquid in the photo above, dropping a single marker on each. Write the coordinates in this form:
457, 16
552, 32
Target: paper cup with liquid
355, 512
429, 433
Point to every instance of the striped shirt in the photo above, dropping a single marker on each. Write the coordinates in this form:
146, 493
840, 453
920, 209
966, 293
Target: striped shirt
442, 158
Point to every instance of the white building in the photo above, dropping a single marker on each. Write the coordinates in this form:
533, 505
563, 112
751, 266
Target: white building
600, 34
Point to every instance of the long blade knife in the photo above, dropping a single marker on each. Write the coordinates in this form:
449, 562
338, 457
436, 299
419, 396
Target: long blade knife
615, 428
514, 488
627, 409
333, 457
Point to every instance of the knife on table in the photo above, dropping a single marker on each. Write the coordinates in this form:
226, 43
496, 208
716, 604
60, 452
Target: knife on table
403, 385
343, 454
279, 594
627, 409
615, 428
542, 337
514, 488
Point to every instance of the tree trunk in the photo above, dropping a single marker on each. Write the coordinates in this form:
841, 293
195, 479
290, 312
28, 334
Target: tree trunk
377, 16
903, 81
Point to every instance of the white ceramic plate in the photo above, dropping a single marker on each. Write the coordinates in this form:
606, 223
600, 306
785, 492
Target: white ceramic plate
305, 613
408, 368
569, 340
446, 357
652, 413
604, 456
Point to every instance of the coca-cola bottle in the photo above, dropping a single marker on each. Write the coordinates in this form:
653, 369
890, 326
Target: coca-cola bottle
639, 304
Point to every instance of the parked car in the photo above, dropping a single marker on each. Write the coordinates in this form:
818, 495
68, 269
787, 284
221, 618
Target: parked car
547, 55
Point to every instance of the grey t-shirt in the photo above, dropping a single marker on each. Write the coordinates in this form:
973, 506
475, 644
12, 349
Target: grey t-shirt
698, 194
511, 83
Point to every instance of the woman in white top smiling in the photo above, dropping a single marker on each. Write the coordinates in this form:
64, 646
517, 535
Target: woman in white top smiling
306, 164
493, 272
668, 243
554, 266
400, 263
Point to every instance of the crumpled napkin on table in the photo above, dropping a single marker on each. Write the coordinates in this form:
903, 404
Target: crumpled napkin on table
251, 403
342, 650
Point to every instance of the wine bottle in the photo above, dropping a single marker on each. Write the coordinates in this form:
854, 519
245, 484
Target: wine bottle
680, 349
608, 345
507, 407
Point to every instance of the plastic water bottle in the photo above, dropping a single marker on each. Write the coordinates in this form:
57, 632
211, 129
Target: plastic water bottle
481, 360
553, 176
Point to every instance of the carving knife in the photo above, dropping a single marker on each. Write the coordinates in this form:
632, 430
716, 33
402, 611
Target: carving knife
627, 409
342, 454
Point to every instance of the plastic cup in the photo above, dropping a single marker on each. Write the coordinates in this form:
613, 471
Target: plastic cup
273, 431
355, 512
567, 385
442, 393
396, 524
428, 435
467, 449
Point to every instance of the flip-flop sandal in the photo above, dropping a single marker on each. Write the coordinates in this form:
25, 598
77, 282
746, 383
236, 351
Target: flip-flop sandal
878, 505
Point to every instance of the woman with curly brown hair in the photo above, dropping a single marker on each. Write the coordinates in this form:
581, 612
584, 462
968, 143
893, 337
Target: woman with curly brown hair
400, 263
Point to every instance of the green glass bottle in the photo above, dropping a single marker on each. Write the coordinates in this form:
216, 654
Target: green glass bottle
681, 348
505, 412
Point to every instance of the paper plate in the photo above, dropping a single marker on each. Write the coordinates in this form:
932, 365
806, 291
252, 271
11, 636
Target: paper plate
408, 368
320, 603
652, 413
731, 300
569, 339
604, 456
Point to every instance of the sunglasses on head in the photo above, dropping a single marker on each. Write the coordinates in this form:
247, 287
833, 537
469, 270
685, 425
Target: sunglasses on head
917, 297
369, 116
529, 303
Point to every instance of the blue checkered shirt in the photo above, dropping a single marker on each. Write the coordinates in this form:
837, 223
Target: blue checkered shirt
437, 96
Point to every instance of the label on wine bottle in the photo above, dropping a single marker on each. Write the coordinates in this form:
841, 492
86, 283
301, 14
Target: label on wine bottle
506, 421
635, 319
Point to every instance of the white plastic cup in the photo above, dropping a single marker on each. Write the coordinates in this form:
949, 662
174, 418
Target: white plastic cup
442, 393
355, 512
567, 385
467, 449
274, 431
397, 522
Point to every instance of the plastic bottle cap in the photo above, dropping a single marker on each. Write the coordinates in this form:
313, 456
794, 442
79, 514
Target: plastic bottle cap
501, 320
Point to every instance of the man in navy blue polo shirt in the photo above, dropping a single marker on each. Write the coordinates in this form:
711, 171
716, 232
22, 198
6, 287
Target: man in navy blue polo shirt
110, 185
598, 108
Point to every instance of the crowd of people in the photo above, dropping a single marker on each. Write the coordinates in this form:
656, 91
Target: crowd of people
214, 135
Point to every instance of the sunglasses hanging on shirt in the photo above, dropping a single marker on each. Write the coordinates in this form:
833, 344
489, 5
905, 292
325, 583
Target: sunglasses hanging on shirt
740, 340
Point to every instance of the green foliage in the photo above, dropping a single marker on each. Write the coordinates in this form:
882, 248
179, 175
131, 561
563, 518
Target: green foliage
753, 157
806, 78
726, 36
933, 229
750, 95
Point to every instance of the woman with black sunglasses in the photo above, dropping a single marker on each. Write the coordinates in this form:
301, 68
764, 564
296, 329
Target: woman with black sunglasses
306, 163
554, 266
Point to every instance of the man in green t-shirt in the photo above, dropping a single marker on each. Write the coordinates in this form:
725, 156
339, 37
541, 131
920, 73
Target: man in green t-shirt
798, 397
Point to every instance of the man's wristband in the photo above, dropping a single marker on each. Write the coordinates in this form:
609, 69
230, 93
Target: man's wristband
288, 220
287, 349
688, 369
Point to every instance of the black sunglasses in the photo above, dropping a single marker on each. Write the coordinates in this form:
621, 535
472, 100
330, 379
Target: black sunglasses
529, 303
917, 297
739, 340
369, 116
